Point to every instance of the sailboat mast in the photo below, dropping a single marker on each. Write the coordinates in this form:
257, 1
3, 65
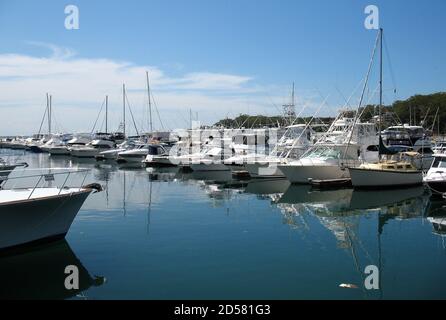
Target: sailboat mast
49, 115
380, 90
380, 78
150, 102
123, 105
106, 114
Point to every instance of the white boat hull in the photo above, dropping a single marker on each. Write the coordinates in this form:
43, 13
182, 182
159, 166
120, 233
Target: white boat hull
264, 170
209, 167
302, 173
85, 153
369, 178
59, 151
158, 161
38, 220
134, 158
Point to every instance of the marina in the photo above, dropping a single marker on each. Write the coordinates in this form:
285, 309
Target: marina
208, 151
160, 233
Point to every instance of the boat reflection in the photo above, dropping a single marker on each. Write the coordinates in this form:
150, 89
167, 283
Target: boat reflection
40, 274
437, 217
267, 186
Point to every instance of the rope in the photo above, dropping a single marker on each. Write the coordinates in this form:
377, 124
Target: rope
157, 111
99, 114
131, 113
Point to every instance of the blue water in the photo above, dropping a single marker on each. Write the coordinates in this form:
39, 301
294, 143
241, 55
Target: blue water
163, 234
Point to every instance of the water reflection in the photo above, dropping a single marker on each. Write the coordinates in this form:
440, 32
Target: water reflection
277, 242
40, 274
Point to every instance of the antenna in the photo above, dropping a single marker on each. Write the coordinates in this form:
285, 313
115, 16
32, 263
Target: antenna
289, 110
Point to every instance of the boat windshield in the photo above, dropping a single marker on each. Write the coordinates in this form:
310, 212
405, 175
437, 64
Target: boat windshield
324, 153
439, 162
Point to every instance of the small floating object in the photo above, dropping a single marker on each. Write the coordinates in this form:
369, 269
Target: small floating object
330, 183
348, 286
241, 174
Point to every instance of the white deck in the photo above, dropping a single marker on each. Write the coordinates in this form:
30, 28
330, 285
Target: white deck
23, 194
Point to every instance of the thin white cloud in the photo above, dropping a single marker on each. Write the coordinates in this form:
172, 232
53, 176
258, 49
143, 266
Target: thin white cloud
57, 51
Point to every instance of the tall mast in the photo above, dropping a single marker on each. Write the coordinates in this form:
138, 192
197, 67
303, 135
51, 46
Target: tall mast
380, 79
123, 105
49, 115
47, 111
150, 102
106, 114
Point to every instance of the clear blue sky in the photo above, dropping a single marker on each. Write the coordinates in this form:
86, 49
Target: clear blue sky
318, 44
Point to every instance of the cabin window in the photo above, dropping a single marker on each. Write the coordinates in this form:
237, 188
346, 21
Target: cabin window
372, 148
439, 163
400, 167
153, 150
425, 150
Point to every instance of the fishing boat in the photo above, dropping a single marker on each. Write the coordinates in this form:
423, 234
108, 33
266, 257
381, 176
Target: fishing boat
296, 140
436, 176
39, 214
348, 141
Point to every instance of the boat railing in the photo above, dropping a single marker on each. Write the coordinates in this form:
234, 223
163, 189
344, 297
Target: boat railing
43, 174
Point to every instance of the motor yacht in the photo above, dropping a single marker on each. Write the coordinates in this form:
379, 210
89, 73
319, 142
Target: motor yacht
135, 155
345, 143
436, 176
292, 145
158, 156
79, 141
92, 149
38, 214
113, 153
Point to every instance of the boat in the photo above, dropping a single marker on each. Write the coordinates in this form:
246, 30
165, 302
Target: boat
135, 155
392, 172
18, 143
158, 156
406, 135
436, 176
6, 168
92, 149
210, 160
296, 140
39, 214
439, 147
113, 153
346, 142
79, 141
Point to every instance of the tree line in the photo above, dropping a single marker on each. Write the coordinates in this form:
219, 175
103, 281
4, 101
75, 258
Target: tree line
428, 111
